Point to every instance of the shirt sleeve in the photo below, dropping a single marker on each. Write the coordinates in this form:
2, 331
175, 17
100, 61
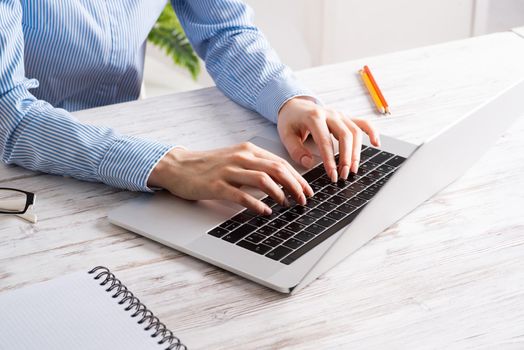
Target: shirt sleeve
237, 55
37, 136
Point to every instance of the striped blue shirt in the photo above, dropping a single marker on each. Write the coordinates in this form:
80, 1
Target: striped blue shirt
60, 56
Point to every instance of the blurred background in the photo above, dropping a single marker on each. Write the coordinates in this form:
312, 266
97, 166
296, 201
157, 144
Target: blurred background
308, 33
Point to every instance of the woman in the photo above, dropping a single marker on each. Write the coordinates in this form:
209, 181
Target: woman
81, 54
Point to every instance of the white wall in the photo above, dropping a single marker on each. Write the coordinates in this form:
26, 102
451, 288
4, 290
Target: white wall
498, 15
308, 33
359, 28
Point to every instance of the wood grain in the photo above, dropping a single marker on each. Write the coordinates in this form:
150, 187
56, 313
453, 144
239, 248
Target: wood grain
449, 275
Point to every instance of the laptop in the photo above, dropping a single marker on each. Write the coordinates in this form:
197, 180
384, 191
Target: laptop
294, 245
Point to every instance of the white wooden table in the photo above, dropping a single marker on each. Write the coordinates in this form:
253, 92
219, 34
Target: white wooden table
451, 274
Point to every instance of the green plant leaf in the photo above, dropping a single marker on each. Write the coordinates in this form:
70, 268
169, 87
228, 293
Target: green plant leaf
167, 34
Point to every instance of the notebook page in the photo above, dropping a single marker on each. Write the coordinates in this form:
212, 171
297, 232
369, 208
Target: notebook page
70, 312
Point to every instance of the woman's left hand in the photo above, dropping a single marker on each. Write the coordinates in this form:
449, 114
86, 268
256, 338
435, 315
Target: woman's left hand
301, 117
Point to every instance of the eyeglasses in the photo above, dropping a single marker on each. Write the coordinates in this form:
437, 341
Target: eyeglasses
17, 202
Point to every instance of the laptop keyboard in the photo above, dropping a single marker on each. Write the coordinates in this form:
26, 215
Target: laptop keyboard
290, 232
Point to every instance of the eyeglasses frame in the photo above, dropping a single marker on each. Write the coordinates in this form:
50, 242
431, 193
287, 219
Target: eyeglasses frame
30, 200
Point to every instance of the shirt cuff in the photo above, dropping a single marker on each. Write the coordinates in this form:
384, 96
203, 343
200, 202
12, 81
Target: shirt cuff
129, 162
277, 92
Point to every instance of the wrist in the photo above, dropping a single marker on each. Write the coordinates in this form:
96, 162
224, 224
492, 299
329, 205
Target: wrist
289, 104
166, 168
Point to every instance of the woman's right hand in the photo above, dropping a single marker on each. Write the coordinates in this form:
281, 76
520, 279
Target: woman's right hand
219, 174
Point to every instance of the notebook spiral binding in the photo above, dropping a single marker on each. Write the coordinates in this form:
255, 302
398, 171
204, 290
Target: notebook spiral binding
147, 317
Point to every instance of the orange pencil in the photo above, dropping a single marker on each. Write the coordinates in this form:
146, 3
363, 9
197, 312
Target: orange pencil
377, 89
372, 92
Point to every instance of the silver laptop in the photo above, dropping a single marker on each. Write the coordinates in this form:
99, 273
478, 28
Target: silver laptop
295, 245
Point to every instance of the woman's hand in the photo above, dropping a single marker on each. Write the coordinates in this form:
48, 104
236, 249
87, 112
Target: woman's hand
300, 117
219, 174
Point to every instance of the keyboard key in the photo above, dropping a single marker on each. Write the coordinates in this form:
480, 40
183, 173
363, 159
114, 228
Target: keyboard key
370, 152
295, 226
327, 206
382, 157
278, 253
341, 184
374, 188
353, 177
258, 221
304, 236
306, 220
364, 168
239, 233
357, 187
347, 193
269, 201
366, 181
289, 216
242, 217
299, 210
336, 215
277, 223
336, 200
314, 173
311, 203
396, 161
230, 225
284, 234
315, 229
315, 188
266, 230
321, 182
357, 201
320, 196
257, 248
384, 168
319, 239
293, 243
375, 175
326, 222
366, 194
255, 238
316, 213
272, 241
218, 232
331, 190
347, 208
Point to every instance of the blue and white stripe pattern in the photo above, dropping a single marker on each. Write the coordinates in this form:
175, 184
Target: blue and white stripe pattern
76, 54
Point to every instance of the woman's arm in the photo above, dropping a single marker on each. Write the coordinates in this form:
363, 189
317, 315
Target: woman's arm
37, 136
246, 69
237, 55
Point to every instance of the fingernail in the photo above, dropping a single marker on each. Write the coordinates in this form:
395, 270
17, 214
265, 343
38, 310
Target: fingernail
306, 161
303, 199
285, 203
345, 172
377, 141
334, 175
310, 191
267, 211
354, 167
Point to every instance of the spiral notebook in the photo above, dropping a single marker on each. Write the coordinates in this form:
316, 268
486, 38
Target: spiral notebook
85, 310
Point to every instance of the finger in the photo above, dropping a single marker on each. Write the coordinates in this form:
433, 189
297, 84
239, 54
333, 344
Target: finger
322, 137
238, 196
277, 169
296, 149
303, 184
357, 144
370, 129
260, 180
345, 141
